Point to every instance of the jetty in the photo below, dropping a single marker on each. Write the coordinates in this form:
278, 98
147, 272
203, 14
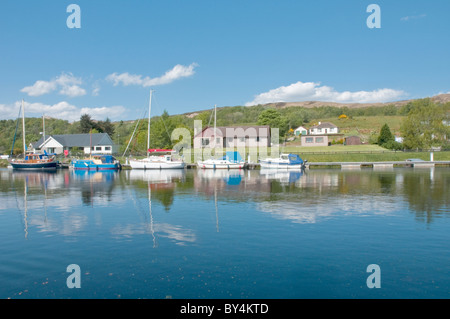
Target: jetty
377, 165
349, 165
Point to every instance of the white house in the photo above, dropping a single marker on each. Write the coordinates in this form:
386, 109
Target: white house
97, 143
300, 131
324, 128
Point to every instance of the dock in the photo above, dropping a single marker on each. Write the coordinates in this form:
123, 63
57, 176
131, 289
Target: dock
348, 165
377, 165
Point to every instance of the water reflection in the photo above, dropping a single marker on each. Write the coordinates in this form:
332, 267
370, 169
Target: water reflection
159, 185
55, 202
94, 184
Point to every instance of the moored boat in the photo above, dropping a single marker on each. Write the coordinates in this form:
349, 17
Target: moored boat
30, 161
163, 161
285, 161
96, 163
34, 161
231, 160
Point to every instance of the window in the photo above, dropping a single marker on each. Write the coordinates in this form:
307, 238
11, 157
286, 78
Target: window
107, 148
257, 138
319, 139
98, 148
205, 141
309, 140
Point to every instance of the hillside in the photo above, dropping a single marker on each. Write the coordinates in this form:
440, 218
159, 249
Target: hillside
362, 119
441, 98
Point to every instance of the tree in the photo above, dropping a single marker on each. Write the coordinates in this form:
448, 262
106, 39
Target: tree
106, 127
424, 126
274, 119
86, 123
385, 135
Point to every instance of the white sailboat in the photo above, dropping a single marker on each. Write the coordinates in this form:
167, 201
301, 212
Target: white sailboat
231, 160
162, 161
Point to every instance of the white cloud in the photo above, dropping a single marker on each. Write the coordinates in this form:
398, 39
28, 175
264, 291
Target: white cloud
67, 83
311, 91
177, 72
407, 18
61, 110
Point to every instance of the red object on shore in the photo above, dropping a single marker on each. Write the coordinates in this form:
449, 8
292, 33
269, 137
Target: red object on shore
157, 150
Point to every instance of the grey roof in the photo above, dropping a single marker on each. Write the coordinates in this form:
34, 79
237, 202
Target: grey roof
324, 125
78, 140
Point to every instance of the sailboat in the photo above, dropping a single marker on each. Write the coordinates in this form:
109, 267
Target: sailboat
31, 160
231, 160
162, 161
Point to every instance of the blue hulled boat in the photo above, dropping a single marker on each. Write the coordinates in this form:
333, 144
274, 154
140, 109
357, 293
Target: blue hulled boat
96, 163
34, 161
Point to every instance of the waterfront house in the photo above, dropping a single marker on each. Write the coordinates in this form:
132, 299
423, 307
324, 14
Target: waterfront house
314, 140
96, 143
228, 137
324, 128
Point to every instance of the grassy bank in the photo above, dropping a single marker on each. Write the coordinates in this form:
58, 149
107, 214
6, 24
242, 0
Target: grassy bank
3, 163
392, 156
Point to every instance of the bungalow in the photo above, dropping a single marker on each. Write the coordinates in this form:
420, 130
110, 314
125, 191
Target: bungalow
314, 140
99, 143
324, 128
228, 137
300, 131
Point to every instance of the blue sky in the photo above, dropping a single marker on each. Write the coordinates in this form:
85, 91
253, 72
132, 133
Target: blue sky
195, 54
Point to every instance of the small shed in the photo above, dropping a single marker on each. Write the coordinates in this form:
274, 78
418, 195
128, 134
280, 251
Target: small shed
352, 140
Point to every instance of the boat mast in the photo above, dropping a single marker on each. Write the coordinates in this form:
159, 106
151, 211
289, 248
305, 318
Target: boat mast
43, 126
148, 132
215, 139
23, 131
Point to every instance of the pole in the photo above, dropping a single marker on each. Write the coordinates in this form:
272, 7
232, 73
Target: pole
23, 131
215, 139
148, 132
43, 125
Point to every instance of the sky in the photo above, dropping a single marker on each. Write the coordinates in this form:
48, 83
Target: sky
196, 54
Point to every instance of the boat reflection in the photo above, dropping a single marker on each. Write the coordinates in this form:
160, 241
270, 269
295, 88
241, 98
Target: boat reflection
158, 185
283, 176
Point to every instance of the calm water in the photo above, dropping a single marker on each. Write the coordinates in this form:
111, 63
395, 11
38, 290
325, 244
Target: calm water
205, 234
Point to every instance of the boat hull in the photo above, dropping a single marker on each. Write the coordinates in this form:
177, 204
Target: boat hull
275, 165
142, 164
33, 166
91, 166
212, 165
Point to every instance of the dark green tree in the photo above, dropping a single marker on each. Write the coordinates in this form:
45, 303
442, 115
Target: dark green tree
86, 123
385, 135
106, 127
